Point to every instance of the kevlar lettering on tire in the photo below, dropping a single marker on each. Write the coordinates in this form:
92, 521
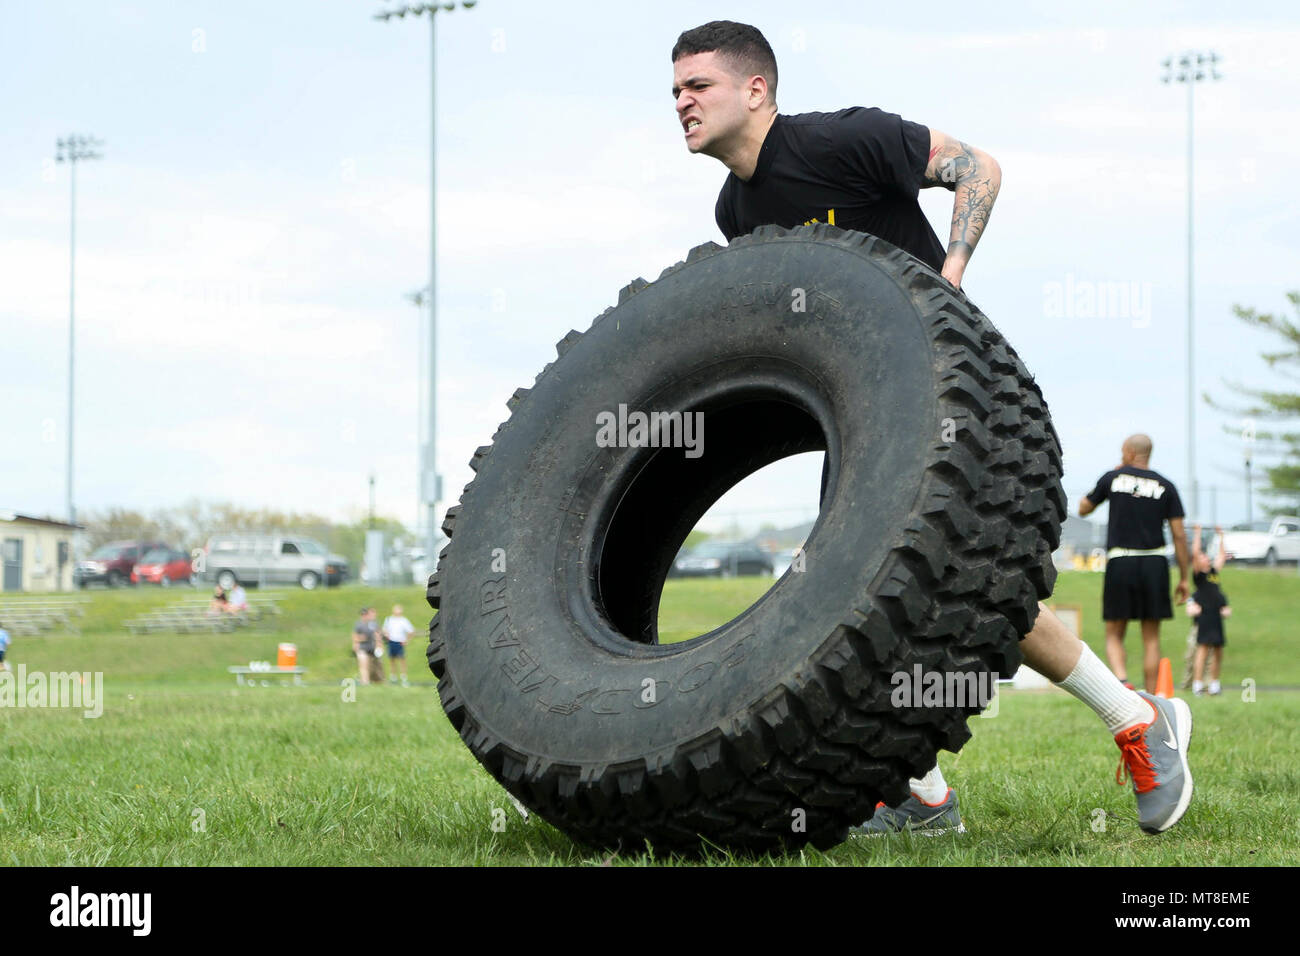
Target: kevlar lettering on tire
942, 504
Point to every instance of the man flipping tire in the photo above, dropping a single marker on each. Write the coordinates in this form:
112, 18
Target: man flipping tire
861, 169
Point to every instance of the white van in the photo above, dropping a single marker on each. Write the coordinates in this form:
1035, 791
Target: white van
270, 559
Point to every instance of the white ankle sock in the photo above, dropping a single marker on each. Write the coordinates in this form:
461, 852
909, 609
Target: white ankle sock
1092, 682
931, 788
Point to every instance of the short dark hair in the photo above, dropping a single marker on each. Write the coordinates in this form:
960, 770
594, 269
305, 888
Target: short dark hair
744, 46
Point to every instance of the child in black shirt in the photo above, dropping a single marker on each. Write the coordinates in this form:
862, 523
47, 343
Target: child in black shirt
1208, 607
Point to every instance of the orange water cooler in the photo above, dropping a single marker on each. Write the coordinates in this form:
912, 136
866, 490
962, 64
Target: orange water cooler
287, 656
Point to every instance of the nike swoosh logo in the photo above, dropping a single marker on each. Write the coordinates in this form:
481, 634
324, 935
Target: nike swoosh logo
1172, 742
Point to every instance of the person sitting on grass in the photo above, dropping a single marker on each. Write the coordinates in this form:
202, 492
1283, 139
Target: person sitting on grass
237, 603
1208, 607
218, 604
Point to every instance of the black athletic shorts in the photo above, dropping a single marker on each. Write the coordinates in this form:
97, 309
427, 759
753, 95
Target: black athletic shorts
1137, 589
1210, 636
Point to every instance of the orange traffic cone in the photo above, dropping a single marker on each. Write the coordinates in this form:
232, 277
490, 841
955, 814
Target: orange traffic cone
1165, 679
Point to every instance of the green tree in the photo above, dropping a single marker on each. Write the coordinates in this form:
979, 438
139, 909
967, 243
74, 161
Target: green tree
349, 540
1283, 476
121, 524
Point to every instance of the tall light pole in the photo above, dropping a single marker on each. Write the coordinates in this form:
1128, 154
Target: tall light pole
1191, 68
73, 150
430, 482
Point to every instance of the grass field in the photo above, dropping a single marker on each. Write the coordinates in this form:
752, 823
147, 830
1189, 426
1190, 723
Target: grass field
185, 768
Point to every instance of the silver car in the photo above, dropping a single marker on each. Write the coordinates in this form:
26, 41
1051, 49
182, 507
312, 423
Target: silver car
269, 559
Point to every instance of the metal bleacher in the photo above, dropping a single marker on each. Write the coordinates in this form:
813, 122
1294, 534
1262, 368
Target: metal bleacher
51, 616
194, 616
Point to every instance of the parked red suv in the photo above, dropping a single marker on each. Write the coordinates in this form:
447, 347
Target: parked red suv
163, 566
112, 563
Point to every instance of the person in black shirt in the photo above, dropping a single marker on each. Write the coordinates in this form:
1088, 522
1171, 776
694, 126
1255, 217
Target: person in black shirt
862, 169
1136, 587
856, 168
1208, 607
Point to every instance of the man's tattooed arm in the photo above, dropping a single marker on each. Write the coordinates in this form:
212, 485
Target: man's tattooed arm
975, 178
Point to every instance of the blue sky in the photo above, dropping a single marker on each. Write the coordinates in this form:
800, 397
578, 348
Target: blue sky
262, 207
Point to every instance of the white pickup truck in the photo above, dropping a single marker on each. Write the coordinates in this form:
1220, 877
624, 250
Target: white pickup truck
1265, 541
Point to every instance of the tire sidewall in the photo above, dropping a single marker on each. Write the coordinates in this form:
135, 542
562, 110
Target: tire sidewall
525, 649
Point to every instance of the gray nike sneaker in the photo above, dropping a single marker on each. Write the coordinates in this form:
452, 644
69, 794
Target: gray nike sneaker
1154, 757
914, 816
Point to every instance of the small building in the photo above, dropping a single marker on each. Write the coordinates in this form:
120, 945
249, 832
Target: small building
36, 553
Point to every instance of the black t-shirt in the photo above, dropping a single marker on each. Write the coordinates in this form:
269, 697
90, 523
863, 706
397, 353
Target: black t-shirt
1140, 503
1211, 598
857, 168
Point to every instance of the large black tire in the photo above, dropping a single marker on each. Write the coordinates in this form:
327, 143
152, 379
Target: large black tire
942, 506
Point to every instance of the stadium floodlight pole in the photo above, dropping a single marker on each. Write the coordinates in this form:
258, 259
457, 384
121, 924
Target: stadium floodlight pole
1191, 68
73, 150
430, 483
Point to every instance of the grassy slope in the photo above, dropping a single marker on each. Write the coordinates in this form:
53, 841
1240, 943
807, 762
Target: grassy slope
299, 776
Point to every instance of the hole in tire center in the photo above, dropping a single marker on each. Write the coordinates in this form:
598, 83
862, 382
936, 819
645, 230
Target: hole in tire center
741, 547
761, 468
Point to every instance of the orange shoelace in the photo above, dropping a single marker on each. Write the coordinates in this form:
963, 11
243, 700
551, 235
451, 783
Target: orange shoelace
1135, 759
